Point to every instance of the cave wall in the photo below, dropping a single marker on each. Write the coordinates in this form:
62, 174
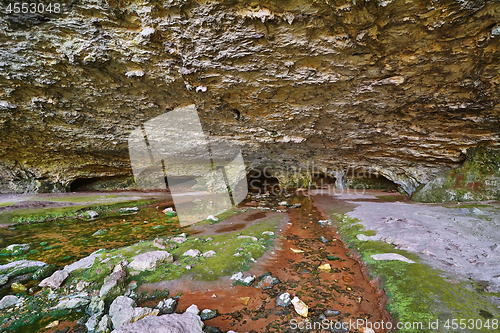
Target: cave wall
399, 87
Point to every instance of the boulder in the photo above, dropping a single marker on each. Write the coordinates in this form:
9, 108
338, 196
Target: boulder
92, 214
8, 301
123, 311
93, 322
169, 323
19, 267
114, 284
55, 280
83, 263
150, 260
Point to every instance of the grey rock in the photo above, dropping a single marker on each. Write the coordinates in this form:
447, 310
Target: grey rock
123, 311
18, 267
100, 232
150, 260
4, 278
114, 284
83, 263
283, 300
169, 323
72, 303
128, 209
16, 249
209, 254
93, 322
323, 239
192, 253
240, 279
96, 306
43, 272
178, 239
331, 313
8, 301
55, 280
104, 325
477, 211
391, 256
167, 306
208, 314
92, 214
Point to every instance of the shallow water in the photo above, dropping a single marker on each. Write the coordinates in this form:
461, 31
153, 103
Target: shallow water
63, 241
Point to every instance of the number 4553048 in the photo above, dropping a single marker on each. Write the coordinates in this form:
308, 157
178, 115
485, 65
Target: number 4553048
31, 7
471, 324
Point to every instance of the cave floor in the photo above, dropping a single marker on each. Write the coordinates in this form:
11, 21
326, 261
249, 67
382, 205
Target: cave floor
454, 247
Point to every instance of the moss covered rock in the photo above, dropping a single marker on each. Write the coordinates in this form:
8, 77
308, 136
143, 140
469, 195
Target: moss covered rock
477, 179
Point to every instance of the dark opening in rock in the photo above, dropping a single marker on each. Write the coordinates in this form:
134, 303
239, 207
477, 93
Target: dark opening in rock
259, 180
320, 180
367, 179
102, 183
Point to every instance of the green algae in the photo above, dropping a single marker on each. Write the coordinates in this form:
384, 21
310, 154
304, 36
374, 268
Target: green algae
416, 293
233, 254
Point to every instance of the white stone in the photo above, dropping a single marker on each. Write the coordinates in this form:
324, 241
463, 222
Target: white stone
150, 260
209, 254
391, 256
192, 253
169, 323
55, 280
193, 308
8, 301
72, 303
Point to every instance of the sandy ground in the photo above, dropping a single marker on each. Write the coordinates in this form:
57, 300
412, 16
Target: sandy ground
446, 236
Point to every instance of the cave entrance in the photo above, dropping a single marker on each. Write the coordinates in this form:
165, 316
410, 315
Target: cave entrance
107, 183
320, 180
262, 182
367, 179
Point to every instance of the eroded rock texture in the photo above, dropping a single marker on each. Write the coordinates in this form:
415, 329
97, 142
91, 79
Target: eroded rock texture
402, 87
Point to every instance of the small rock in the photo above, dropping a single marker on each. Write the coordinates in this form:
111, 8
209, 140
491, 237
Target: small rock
8, 301
283, 203
53, 324
150, 260
179, 239
477, 211
391, 256
208, 314
96, 306
325, 267
213, 218
159, 243
72, 303
193, 309
100, 232
92, 214
332, 313
18, 287
268, 233
323, 239
300, 307
55, 280
93, 322
128, 209
249, 237
324, 223
81, 285
283, 300
239, 279
267, 282
192, 253
104, 325
168, 306
209, 254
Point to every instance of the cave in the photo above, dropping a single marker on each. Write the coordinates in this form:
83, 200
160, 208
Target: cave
262, 182
334, 147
